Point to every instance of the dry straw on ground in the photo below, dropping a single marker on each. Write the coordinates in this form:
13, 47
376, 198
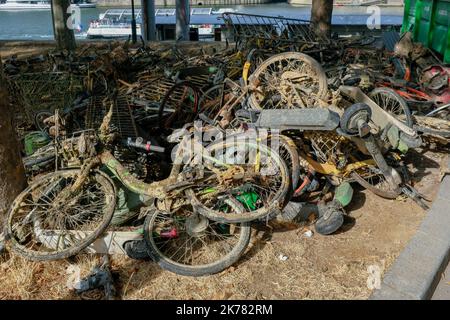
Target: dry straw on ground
319, 267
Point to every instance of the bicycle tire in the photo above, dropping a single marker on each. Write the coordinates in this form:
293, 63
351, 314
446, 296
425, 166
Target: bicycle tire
13, 228
320, 76
388, 92
290, 154
198, 270
292, 159
277, 201
170, 94
378, 191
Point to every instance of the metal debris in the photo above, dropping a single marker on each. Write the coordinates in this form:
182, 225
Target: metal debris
334, 113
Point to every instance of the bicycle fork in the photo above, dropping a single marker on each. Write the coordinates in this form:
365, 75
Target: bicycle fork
392, 176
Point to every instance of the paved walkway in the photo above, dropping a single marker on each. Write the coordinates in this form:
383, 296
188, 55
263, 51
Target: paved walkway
442, 291
417, 272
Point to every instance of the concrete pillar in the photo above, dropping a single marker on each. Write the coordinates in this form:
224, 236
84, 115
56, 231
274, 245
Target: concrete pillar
183, 16
148, 26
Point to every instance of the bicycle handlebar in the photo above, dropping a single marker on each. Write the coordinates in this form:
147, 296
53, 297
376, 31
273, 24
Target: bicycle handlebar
144, 146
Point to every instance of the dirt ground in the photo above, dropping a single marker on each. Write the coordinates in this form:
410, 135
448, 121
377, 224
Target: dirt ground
319, 267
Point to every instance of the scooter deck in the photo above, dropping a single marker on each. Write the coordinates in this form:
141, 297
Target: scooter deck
318, 119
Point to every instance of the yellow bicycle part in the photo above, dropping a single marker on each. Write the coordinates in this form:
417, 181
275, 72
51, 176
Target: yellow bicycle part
331, 169
258, 161
245, 71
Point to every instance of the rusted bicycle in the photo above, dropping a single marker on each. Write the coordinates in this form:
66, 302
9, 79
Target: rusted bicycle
203, 209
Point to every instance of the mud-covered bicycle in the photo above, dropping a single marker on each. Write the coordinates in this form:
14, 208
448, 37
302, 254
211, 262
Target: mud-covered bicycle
207, 203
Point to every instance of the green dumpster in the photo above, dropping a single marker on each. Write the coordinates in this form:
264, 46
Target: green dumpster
429, 22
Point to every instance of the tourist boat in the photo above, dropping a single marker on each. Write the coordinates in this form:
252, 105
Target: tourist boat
28, 5
116, 23
84, 4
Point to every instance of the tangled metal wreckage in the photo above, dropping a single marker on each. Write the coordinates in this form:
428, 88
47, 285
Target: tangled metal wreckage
161, 154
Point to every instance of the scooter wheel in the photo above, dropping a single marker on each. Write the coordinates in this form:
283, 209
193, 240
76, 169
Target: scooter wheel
358, 110
329, 223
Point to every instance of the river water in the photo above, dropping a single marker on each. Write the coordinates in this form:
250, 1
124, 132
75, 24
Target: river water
37, 25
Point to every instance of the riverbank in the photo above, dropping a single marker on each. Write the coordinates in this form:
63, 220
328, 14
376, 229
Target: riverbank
24, 49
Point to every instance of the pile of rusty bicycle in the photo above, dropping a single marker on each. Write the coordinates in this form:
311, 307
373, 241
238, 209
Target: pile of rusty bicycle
186, 150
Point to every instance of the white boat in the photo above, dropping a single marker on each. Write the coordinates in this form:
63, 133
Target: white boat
114, 23
117, 22
83, 4
24, 5
28, 5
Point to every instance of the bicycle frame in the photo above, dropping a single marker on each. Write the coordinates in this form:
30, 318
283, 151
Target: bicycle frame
158, 189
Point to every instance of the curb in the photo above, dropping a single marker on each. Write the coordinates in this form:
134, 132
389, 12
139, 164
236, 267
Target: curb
415, 273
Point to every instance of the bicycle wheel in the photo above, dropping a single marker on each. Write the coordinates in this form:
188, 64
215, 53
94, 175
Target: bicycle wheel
254, 59
289, 153
251, 173
189, 244
288, 80
287, 150
179, 106
46, 222
212, 101
393, 103
372, 179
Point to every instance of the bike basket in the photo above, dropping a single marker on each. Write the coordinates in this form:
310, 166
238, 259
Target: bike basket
122, 117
